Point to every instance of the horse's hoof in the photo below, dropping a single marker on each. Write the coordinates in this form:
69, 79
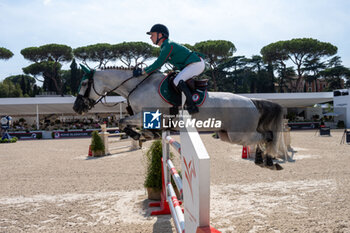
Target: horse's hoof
136, 137
259, 161
260, 164
274, 167
278, 167
156, 135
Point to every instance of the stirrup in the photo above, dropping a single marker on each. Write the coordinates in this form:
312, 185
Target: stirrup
174, 110
192, 109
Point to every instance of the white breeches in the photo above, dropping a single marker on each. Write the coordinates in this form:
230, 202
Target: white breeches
189, 71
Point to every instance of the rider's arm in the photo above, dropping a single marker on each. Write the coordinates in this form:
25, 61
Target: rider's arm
163, 57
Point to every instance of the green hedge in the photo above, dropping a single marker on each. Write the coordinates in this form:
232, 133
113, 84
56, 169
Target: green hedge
12, 140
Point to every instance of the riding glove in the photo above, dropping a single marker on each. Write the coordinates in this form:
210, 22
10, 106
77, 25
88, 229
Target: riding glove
137, 72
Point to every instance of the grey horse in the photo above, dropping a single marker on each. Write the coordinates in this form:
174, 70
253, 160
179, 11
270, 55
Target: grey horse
244, 121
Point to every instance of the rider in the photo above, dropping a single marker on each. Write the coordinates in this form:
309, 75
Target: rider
189, 63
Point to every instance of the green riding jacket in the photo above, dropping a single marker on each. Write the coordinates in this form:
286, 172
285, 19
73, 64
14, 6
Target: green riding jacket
174, 53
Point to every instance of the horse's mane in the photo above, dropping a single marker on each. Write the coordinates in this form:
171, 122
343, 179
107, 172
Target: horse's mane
116, 68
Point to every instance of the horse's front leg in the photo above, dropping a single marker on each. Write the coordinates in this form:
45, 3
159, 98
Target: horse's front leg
126, 124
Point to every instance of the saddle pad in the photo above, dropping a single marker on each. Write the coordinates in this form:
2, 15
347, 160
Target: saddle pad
172, 97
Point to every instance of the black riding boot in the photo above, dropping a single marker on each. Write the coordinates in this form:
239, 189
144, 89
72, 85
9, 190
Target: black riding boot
191, 106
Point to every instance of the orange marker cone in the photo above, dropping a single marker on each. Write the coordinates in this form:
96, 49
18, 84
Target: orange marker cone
245, 152
90, 152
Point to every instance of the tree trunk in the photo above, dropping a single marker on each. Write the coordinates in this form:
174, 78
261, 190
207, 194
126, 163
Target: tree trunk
214, 79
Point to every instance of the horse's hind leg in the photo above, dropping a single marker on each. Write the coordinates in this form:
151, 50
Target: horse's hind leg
265, 160
273, 166
259, 157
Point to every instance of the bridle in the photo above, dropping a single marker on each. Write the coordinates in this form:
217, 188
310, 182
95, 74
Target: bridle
91, 85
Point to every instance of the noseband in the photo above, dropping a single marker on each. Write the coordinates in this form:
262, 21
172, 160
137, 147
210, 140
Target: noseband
91, 103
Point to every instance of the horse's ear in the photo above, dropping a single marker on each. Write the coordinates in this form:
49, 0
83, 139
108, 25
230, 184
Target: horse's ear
85, 69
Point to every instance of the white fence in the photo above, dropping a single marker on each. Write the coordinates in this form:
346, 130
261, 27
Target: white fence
195, 184
107, 140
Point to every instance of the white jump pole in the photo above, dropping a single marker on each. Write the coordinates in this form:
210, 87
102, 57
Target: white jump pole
104, 134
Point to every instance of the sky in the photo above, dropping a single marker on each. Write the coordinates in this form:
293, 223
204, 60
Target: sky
248, 24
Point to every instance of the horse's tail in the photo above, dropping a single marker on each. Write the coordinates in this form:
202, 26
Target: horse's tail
271, 121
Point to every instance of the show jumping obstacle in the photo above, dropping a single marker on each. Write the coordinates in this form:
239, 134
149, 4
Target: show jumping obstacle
194, 187
107, 142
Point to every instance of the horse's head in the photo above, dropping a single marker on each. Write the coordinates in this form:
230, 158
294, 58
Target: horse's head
97, 84
85, 99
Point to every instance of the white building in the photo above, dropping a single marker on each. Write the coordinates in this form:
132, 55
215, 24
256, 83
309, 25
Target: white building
342, 105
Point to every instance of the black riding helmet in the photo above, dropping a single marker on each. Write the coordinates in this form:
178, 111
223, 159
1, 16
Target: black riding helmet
160, 28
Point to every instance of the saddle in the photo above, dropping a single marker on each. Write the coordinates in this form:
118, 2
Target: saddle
193, 83
170, 94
